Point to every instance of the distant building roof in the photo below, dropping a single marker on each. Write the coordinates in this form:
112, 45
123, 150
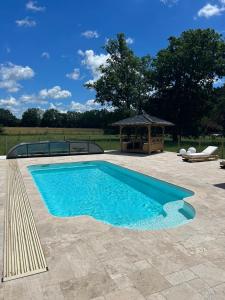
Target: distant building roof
143, 119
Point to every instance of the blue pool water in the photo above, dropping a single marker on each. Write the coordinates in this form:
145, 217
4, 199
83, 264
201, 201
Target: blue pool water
111, 194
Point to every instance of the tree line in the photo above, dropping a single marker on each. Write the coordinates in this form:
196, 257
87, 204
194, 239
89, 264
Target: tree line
178, 84
35, 117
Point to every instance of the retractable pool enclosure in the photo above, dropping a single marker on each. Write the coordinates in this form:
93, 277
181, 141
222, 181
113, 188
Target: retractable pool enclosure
54, 148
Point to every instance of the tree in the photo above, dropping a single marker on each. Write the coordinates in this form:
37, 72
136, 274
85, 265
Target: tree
72, 119
7, 118
218, 110
125, 80
32, 117
184, 74
53, 118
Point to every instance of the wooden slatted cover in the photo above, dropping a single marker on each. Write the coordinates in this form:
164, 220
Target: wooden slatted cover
23, 254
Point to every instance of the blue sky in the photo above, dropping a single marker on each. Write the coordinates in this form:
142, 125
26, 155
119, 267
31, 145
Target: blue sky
49, 49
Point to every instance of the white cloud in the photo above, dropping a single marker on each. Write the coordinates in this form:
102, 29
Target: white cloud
93, 61
11, 101
74, 75
90, 34
33, 6
26, 22
55, 93
211, 10
87, 106
169, 2
10, 74
32, 98
45, 55
130, 41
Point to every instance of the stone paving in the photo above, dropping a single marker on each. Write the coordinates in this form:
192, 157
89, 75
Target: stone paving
90, 260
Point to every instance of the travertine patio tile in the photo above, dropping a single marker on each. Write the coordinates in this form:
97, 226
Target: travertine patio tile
15, 290
180, 277
127, 294
181, 292
198, 285
88, 287
148, 281
142, 264
120, 265
1, 291
156, 296
34, 288
52, 292
219, 291
82, 267
171, 262
122, 281
210, 273
219, 262
197, 239
59, 270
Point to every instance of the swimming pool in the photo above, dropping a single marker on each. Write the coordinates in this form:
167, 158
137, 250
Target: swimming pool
111, 194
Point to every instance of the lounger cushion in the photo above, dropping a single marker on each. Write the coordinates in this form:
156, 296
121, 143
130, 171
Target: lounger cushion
210, 150
205, 153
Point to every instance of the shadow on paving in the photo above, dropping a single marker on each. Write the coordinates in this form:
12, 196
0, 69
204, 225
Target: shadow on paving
220, 185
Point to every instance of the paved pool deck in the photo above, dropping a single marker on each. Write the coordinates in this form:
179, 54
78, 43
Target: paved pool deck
90, 260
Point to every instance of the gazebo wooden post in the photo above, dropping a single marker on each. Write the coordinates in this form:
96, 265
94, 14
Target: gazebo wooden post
121, 146
149, 139
163, 136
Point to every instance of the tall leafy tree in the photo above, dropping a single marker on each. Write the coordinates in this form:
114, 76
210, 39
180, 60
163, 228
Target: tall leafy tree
31, 117
72, 119
184, 74
53, 118
125, 79
218, 110
7, 118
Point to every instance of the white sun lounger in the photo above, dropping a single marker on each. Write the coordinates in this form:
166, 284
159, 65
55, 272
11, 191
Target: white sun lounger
207, 154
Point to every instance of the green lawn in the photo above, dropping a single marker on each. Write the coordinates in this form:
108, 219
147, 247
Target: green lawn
107, 142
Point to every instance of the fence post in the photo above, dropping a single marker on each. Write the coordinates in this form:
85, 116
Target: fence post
6, 145
178, 142
199, 143
222, 147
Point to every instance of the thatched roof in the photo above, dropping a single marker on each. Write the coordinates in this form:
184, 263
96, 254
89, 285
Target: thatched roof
144, 120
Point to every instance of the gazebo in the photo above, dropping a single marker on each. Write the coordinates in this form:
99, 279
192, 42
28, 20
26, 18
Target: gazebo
142, 133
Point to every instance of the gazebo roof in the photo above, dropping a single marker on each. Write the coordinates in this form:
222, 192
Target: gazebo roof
143, 119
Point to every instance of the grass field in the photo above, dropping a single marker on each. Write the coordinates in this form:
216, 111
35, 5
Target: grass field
46, 131
13, 136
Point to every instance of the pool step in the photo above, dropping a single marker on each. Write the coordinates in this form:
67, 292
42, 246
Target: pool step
23, 254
